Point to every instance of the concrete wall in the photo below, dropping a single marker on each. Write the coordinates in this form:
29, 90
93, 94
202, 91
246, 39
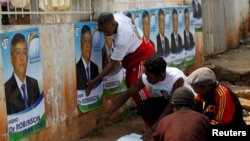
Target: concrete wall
64, 120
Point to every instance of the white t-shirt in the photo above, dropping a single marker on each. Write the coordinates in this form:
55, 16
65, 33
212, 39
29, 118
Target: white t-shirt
172, 75
125, 40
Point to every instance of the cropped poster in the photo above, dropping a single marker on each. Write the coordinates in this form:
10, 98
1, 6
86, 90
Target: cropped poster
197, 15
169, 31
22, 68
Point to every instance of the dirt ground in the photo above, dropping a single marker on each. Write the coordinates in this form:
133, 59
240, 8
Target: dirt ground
128, 122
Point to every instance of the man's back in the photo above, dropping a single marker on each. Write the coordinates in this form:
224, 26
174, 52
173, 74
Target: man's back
183, 125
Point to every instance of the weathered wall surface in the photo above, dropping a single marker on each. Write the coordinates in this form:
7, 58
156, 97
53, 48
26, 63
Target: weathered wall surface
224, 21
64, 120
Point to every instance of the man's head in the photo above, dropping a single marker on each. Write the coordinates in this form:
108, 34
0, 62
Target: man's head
175, 21
107, 23
161, 21
155, 69
187, 20
19, 55
182, 97
146, 24
86, 43
202, 80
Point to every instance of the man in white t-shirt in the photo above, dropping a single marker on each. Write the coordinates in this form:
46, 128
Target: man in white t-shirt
128, 49
162, 80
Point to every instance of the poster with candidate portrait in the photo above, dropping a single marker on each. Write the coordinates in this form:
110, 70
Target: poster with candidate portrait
188, 36
197, 15
88, 44
93, 50
176, 39
22, 69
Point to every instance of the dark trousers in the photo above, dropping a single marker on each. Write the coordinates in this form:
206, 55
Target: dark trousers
152, 108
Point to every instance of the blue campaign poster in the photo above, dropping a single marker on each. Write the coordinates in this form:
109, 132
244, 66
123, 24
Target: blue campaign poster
22, 68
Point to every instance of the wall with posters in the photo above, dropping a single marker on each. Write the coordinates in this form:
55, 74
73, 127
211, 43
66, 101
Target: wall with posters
65, 105
64, 120
171, 30
57, 79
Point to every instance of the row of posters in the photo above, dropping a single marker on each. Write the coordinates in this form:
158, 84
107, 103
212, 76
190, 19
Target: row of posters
22, 66
171, 31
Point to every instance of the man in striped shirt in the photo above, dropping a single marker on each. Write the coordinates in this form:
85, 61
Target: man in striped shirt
215, 100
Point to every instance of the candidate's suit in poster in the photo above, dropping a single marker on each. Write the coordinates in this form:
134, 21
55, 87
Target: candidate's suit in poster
81, 73
14, 100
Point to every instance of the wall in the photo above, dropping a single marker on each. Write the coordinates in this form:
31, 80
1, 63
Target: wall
222, 22
64, 120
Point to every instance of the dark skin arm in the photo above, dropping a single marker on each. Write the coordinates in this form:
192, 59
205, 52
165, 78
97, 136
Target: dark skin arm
167, 111
121, 100
104, 72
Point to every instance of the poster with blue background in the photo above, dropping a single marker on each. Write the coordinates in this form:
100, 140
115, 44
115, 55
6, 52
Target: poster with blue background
93, 50
88, 44
167, 26
22, 68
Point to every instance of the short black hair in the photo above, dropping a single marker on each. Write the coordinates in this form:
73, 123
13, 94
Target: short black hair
186, 11
129, 15
155, 65
174, 11
104, 18
85, 29
161, 12
17, 38
145, 14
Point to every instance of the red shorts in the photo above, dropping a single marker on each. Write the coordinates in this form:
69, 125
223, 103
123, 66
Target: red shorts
133, 63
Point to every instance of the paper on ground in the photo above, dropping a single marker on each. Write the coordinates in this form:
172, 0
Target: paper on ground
130, 137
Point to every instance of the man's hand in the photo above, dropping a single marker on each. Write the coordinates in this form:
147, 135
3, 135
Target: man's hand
146, 135
104, 118
90, 85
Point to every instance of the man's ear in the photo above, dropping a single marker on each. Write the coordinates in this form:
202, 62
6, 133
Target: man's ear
163, 75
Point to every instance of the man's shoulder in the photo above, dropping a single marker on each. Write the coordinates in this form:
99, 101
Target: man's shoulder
93, 63
10, 81
31, 79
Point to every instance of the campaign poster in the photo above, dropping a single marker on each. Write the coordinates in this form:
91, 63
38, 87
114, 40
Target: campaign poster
188, 36
88, 44
197, 15
176, 40
23, 82
167, 32
114, 82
